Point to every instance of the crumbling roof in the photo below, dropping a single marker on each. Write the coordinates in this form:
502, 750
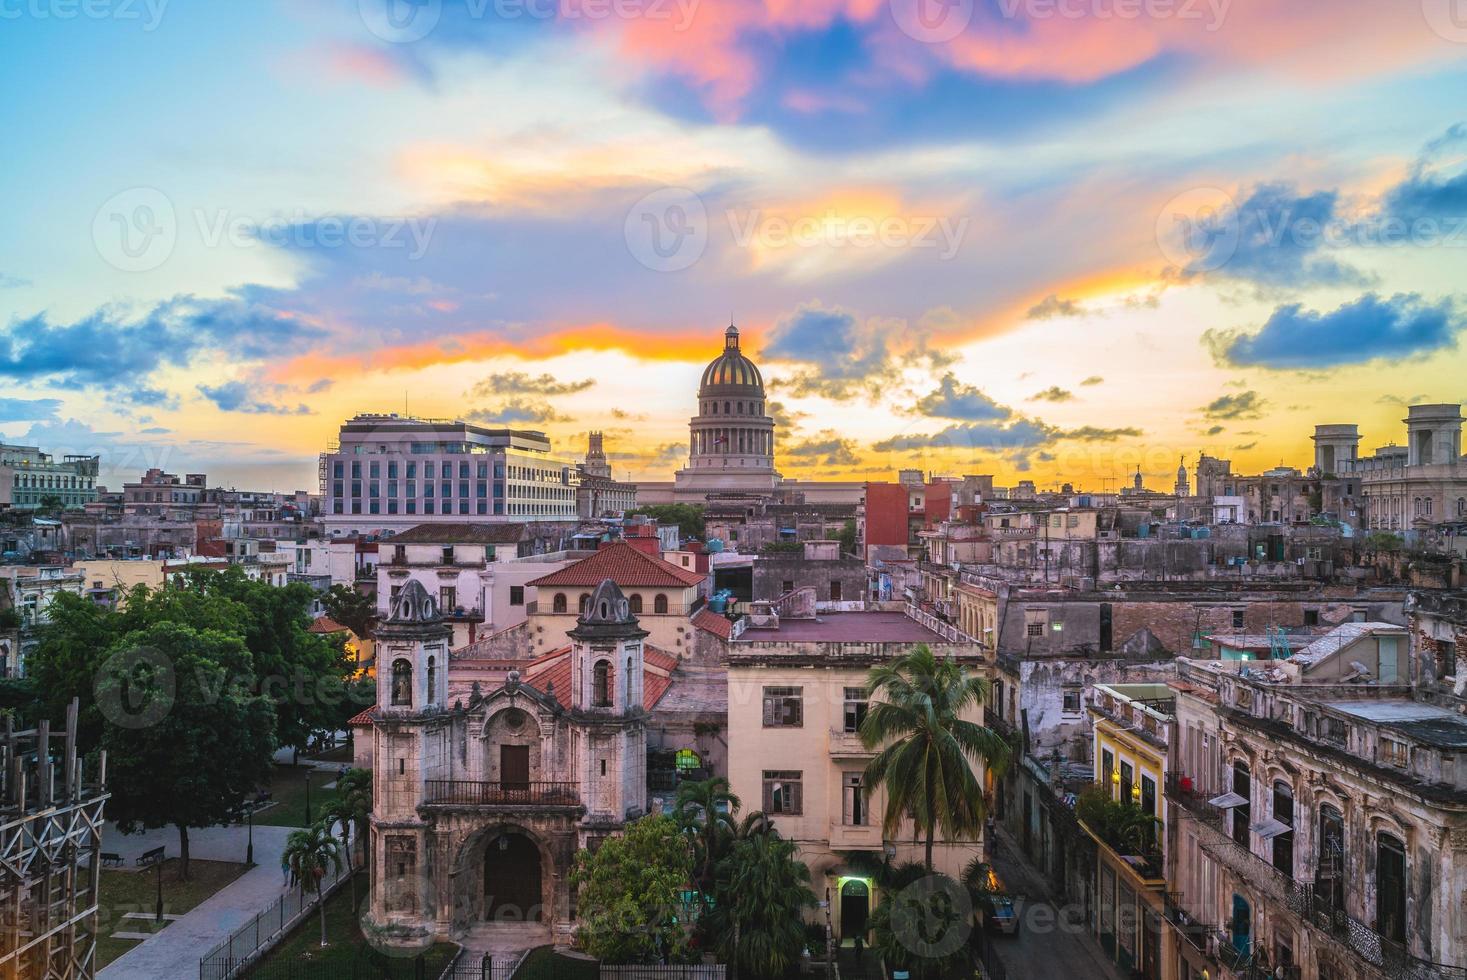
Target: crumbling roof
325, 624
712, 622
1339, 638
624, 565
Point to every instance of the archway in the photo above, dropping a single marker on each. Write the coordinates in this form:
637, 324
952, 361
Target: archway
512, 879
855, 907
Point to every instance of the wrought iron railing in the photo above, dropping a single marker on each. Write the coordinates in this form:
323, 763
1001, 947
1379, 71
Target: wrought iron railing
469, 792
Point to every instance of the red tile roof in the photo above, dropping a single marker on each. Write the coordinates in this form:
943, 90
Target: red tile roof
325, 624
624, 565
362, 718
719, 626
554, 670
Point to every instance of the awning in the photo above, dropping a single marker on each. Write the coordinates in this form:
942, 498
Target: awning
1227, 801
1270, 828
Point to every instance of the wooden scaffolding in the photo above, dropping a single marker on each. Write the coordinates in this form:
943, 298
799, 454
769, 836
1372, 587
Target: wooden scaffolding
50, 841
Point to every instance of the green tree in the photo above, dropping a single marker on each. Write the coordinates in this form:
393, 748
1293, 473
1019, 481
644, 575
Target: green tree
185, 739
351, 609
927, 751
308, 854
630, 895
707, 809
847, 538
763, 893
922, 925
351, 809
687, 517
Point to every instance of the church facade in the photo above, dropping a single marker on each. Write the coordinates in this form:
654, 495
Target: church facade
482, 798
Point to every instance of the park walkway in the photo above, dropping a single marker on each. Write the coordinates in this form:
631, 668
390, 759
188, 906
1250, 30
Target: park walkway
175, 952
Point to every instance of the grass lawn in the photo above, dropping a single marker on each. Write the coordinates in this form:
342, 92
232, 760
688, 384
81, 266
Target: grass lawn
544, 963
137, 891
342, 753
343, 936
288, 787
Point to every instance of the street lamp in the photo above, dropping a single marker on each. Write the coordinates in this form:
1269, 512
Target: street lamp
250, 848
308, 797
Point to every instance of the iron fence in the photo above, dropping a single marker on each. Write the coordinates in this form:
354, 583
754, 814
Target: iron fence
226, 960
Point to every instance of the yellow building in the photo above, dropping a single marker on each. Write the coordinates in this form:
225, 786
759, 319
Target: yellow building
102, 573
796, 699
1132, 726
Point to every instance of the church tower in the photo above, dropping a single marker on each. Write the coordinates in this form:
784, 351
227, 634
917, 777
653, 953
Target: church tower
412, 654
606, 699
1182, 487
596, 464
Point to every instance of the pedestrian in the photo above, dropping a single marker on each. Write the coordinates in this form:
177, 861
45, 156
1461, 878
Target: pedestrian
858, 949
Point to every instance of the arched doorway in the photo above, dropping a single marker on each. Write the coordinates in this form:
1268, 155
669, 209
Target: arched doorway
512, 879
855, 906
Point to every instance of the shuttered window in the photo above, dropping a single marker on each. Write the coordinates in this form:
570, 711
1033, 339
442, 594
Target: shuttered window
784, 707
784, 791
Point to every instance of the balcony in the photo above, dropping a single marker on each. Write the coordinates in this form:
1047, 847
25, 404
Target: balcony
468, 792
847, 745
853, 837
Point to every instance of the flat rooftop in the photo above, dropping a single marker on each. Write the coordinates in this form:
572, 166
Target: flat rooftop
1426, 723
845, 627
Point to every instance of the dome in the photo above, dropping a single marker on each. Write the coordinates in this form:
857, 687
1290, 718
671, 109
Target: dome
732, 368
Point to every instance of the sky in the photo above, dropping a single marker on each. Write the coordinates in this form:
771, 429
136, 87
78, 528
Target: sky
1056, 240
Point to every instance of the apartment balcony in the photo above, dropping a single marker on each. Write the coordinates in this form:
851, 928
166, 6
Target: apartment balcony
476, 793
1329, 924
848, 745
853, 837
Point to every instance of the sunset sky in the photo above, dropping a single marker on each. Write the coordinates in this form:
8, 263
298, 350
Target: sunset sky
1044, 239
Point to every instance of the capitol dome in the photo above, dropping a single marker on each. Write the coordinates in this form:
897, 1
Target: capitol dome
731, 373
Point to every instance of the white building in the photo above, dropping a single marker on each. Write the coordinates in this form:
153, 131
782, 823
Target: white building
392, 472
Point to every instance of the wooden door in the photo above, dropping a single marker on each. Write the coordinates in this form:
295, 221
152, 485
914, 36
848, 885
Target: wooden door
514, 767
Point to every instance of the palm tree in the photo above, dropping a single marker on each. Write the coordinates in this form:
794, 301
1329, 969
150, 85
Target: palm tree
356, 786
706, 809
928, 751
756, 823
765, 891
343, 811
307, 854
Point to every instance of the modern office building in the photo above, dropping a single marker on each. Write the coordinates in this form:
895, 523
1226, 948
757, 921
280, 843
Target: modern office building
29, 478
391, 472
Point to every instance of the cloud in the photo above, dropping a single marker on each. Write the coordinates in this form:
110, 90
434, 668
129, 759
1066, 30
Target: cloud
1247, 405
1273, 238
1404, 401
984, 436
110, 349
843, 356
1054, 393
1426, 194
1402, 326
828, 449
1052, 306
317, 387
1215, 430
13, 282
1094, 379
1245, 447
784, 416
952, 399
28, 409
518, 383
516, 410
249, 399
1090, 433
154, 430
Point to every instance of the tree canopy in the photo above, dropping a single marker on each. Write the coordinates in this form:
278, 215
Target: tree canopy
630, 893
687, 517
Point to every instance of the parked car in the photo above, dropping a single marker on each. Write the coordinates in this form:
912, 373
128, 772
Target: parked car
994, 906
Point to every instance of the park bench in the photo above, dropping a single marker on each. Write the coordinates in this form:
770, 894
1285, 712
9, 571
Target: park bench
111, 860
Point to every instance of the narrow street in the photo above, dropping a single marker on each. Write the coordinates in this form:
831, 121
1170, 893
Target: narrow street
1052, 943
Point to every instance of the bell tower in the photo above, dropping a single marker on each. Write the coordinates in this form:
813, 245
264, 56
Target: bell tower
606, 699
412, 657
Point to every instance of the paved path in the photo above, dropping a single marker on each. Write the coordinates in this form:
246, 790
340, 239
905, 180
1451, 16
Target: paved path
175, 952
1052, 941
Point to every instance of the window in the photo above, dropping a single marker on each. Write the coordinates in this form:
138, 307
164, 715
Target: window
447, 598
1394, 753
634, 602
1072, 702
1390, 888
1107, 766
585, 602
601, 684
1329, 875
1311, 617
786, 586
784, 707
1238, 621
432, 678
1283, 843
659, 604
558, 603
1128, 779
1035, 629
516, 595
835, 592
783, 791
1243, 812
855, 708
853, 800
402, 683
